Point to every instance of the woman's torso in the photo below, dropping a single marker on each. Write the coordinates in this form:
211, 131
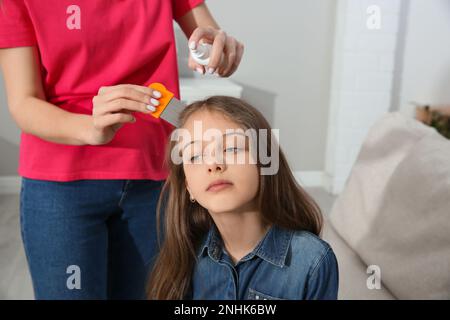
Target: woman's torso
84, 45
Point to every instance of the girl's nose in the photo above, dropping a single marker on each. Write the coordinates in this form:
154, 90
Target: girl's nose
215, 167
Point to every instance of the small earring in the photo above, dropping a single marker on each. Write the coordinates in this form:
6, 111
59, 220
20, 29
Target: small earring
192, 199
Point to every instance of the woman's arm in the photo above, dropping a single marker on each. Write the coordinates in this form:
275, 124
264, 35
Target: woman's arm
197, 17
199, 24
113, 106
27, 103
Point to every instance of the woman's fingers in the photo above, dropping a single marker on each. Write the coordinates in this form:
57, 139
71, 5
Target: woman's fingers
125, 97
226, 53
237, 61
217, 51
201, 33
112, 119
209, 35
145, 90
126, 92
121, 104
230, 52
114, 105
195, 66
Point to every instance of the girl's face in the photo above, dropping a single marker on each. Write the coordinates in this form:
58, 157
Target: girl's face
221, 174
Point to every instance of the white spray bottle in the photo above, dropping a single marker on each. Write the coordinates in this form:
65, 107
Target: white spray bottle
202, 53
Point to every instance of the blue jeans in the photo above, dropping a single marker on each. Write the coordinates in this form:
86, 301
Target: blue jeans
89, 239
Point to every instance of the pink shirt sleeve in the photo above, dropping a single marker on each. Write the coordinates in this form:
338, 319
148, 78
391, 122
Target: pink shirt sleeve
16, 28
181, 7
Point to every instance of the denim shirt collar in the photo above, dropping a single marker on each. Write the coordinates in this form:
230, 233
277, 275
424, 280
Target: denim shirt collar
273, 247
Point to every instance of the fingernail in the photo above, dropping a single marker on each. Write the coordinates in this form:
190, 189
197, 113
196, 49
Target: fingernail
151, 108
192, 45
157, 94
154, 102
211, 70
199, 70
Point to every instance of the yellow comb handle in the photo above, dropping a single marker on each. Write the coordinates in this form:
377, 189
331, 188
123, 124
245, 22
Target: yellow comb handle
166, 96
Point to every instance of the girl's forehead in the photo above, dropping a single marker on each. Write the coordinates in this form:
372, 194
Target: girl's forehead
206, 126
204, 120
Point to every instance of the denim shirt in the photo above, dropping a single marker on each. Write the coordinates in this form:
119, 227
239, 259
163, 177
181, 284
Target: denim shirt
285, 264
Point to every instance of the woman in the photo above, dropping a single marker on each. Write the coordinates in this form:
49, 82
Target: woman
237, 226
91, 155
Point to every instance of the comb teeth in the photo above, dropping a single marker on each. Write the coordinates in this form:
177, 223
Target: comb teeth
172, 112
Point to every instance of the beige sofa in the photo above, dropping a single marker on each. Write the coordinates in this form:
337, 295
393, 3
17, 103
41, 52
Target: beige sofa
394, 215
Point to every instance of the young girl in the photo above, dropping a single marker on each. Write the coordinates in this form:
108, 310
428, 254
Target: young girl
231, 232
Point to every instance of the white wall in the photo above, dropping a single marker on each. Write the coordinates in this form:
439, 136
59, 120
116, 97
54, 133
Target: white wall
376, 71
8, 129
9, 137
425, 76
362, 80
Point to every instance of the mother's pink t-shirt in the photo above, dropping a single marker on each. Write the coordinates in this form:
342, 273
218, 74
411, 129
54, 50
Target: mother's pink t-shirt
86, 44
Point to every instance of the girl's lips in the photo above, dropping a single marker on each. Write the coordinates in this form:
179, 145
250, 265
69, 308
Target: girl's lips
219, 186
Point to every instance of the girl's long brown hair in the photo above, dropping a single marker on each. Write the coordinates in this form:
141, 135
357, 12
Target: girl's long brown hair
282, 201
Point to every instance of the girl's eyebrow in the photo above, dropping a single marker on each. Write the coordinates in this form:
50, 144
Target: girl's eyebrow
225, 134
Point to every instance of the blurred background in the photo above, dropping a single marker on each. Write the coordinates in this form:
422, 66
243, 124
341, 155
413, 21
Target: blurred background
321, 71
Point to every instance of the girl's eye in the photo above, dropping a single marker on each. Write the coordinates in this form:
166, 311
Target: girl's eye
194, 158
232, 149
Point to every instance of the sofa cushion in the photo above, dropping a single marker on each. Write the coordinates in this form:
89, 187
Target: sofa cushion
352, 270
395, 208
